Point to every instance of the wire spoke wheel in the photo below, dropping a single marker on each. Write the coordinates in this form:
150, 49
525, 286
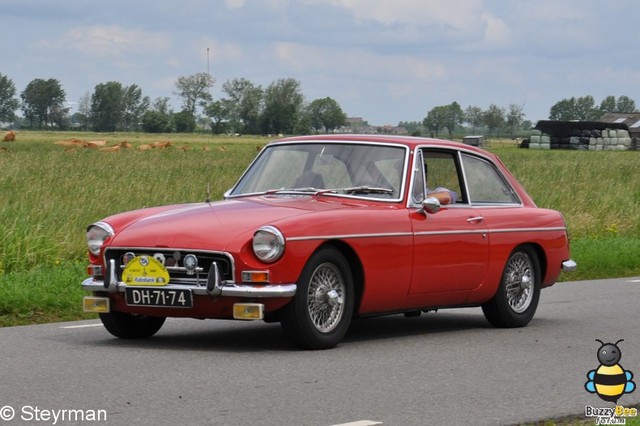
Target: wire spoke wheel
320, 313
517, 296
325, 297
519, 282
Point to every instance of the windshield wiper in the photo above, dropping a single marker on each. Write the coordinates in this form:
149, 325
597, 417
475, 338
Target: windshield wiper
365, 190
303, 189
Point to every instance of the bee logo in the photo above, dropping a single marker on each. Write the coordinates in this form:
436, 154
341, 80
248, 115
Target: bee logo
609, 381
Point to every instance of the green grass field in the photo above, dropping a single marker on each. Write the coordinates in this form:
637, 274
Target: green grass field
49, 193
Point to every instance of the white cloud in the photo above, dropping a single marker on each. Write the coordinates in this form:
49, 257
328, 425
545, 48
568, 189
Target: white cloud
111, 41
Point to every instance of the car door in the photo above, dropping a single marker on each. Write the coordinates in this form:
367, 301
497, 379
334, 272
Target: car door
451, 247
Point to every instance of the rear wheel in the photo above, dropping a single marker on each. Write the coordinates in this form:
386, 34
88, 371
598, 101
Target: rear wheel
320, 313
129, 326
517, 297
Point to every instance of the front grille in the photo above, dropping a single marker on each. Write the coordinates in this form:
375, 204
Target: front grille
174, 262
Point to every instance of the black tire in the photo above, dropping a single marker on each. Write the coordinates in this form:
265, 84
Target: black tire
517, 297
320, 313
128, 326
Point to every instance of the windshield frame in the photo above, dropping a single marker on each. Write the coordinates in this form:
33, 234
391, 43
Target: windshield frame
330, 192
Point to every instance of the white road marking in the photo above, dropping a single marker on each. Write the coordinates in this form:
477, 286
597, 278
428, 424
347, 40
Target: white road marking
634, 281
361, 423
83, 326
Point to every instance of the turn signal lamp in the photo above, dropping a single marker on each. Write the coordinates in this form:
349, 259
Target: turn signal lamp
255, 276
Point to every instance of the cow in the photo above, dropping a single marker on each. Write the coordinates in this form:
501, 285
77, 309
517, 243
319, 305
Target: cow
10, 136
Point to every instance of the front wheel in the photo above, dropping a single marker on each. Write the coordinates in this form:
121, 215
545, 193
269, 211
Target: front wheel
129, 326
320, 313
517, 297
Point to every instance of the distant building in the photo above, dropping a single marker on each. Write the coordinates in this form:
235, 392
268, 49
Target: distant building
631, 120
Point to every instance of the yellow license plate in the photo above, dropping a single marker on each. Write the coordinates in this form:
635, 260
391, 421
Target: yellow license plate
145, 270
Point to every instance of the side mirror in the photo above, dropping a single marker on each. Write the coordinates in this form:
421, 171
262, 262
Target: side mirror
430, 205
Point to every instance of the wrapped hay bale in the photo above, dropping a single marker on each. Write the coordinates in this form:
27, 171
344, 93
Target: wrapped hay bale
544, 139
536, 132
623, 134
624, 141
574, 140
535, 139
599, 147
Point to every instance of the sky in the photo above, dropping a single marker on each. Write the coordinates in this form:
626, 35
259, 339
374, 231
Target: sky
383, 60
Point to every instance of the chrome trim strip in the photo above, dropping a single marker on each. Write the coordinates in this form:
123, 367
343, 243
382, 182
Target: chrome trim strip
425, 233
337, 141
228, 289
544, 229
347, 236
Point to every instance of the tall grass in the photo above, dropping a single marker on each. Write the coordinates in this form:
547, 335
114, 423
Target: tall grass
48, 194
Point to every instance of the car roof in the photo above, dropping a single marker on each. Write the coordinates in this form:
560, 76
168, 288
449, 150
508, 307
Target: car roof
410, 141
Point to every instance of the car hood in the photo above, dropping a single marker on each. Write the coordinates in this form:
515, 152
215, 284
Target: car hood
212, 226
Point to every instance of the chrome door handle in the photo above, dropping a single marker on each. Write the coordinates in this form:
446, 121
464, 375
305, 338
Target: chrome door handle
476, 219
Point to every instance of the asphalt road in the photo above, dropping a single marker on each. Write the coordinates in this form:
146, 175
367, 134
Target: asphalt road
445, 367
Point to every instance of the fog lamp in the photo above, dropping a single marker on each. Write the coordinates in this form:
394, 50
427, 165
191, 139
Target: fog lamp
190, 262
95, 304
248, 311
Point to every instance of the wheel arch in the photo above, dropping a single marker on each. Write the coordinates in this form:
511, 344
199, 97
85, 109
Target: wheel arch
540, 254
355, 264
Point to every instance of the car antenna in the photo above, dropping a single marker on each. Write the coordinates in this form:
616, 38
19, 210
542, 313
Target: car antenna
208, 199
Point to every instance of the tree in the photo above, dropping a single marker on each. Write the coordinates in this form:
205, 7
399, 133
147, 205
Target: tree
453, 117
107, 107
515, 118
8, 102
586, 109
444, 117
219, 112
473, 116
282, 104
82, 117
494, 118
325, 114
435, 119
608, 104
623, 105
194, 88
184, 122
244, 104
43, 102
583, 109
134, 105
159, 118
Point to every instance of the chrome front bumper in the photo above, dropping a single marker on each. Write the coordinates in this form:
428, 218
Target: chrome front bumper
214, 287
226, 290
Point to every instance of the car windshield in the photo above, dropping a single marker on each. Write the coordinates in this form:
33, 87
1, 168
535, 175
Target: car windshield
363, 170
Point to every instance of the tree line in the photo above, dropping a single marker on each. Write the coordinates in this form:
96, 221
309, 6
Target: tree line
509, 120
249, 108
246, 108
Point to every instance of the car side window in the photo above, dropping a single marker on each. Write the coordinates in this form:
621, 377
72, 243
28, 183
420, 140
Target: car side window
440, 170
485, 184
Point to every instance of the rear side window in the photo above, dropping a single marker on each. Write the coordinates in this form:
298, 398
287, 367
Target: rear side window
485, 184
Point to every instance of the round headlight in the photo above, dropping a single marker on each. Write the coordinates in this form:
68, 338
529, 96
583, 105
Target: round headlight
268, 244
96, 234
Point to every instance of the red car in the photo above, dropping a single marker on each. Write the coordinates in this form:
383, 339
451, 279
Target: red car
323, 229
